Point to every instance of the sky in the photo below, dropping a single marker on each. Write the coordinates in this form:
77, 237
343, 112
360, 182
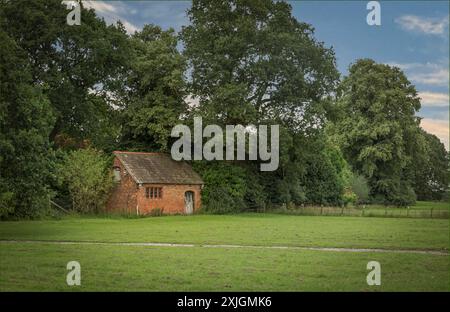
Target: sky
413, 35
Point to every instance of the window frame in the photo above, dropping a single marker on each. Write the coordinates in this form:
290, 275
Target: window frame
154, 192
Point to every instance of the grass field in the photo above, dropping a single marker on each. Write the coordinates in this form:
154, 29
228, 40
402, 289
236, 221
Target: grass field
42, 266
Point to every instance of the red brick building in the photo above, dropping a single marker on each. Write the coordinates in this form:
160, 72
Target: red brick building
149, 182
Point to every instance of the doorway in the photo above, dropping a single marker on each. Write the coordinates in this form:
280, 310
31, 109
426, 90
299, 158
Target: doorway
189, 202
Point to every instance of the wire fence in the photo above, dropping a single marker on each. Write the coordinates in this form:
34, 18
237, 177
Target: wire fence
367, 211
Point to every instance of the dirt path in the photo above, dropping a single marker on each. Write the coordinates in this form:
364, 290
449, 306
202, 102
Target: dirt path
154, 244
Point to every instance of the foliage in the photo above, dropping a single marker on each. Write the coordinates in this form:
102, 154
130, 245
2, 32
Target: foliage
252, 61
6, 203
360, 188
431, 177
230, 187
88, 177
154, 100
377, 127
312, 171
349, 197
80, 68
225, 187
324, 181
26, 120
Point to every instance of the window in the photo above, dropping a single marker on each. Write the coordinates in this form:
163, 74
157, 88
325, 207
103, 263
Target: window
153, 192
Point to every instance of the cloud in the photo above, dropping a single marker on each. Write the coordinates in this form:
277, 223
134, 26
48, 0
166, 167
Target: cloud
429, 26
112, 12
438, 77
434, 74
100, 6
439, 128
132, 13
166, 13
434, 99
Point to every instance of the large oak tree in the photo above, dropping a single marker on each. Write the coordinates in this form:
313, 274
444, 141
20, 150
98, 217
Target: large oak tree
377, 128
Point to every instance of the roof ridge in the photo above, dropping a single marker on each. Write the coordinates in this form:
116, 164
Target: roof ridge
142, 153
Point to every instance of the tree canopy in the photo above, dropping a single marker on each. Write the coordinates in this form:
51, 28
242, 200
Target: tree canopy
252, 61
155, 89
377, 127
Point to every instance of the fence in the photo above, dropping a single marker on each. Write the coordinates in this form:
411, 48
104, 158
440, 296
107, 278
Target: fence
367, 211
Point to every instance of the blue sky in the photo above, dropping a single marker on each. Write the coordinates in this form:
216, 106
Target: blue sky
413, 35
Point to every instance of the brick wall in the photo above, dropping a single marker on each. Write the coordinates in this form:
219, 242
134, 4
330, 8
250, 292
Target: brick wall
128, 197
123, 198
172, 200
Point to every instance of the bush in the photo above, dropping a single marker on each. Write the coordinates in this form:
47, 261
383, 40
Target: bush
405, 196
324, 179
360, 188
6, 203
229, 187
394, 192
87, 175
349, 197
220, 201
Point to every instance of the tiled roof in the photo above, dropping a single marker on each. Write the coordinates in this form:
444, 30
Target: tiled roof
157, 168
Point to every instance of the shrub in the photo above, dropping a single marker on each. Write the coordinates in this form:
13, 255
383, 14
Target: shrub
349, 197
394, 192
220, 201
87, 175
6, 203
360, 188
324, 179
229, 187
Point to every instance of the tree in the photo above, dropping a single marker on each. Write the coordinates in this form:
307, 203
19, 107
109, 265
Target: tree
431, 169
80, 68
155, 94
252, 61
57, 82
26, 120
87, 175
377, 128
324, 179
312, 171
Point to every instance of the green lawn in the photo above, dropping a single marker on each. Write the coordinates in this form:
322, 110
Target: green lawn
42, 266
243, 229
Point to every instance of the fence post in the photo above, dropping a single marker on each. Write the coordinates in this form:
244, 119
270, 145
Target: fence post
321, 209
342, 211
